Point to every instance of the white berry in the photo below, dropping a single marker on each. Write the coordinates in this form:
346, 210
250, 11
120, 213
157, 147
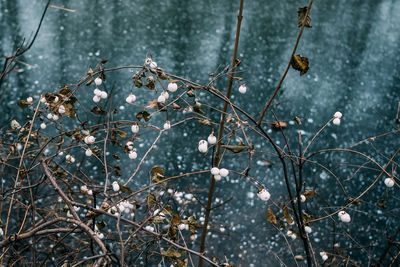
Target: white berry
90, 139
103, 94
115, 186
203, 146
61, 109
336, 121
153, 64
338, 114
43, 125
217, 177
242, 89
88, 152
172, 87
223, 172
389, 182
345, 218
212, 140
167, 125
96, 99
264, 195
307, 229
50, 116
135, 128
98, 81
130, 99
303, 198
215, 171
97, 91
161, 99
132, 155
55, 117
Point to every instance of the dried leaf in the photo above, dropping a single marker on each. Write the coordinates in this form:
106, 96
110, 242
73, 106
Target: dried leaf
236, 149
157, 170
279, 124
176, 106
271, 218
175, 219
171, 253
24, 104
298, 120
98, 110
381, 203
121, 134
286, 214
204, 121
300, 63
309, 193
301, 14
143, 115
124, 189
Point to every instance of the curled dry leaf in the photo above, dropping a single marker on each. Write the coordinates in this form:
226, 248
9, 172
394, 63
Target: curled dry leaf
300, 63
271, 218
301, 14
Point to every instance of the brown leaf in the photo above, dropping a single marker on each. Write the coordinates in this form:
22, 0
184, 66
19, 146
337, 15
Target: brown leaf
309, 193
271, 218
300, 63
175, 219
301, 13
286, 214
171, 253
279, 124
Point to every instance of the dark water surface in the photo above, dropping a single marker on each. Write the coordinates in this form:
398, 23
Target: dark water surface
353, 48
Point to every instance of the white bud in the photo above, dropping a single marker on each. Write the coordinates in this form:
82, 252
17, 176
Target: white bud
215, 171
61, 109
29, 99
161, 99
115, 186
43, 125
84, 189
153, 64
338, 115
212, 140
264, 195
56, 99
50, 116
167, 125
303, 198
88, 152
223, 172
132, 155
172, 87
43, 99
203, 146
135, 128
98, 81
90, 192
307, 229
336, 121
96, 99
389, 182
55, 117
182, 226
103, 94
242, 89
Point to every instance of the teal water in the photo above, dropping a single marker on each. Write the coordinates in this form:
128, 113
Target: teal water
354, 67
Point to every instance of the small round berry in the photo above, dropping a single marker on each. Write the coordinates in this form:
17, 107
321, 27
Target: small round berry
84, 189
264, 195
90, 139
135, 128
96, 99
336, 121
212, 139
50, 116
56, 99
130, 99
389, 182
307, 229
98, 81
172, 87
103, 94
43, 125
97, 91
341, 213
338, 115
324, 257
203, 146
345, 218
61, 109
29, 99
167, 125
161, 99
223, 172
55, 117
242, 89
88, 152
132, 155
303, 198
42, 100
217, 177
129, 145
215, 171
153, 64
115, 186
165, 94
